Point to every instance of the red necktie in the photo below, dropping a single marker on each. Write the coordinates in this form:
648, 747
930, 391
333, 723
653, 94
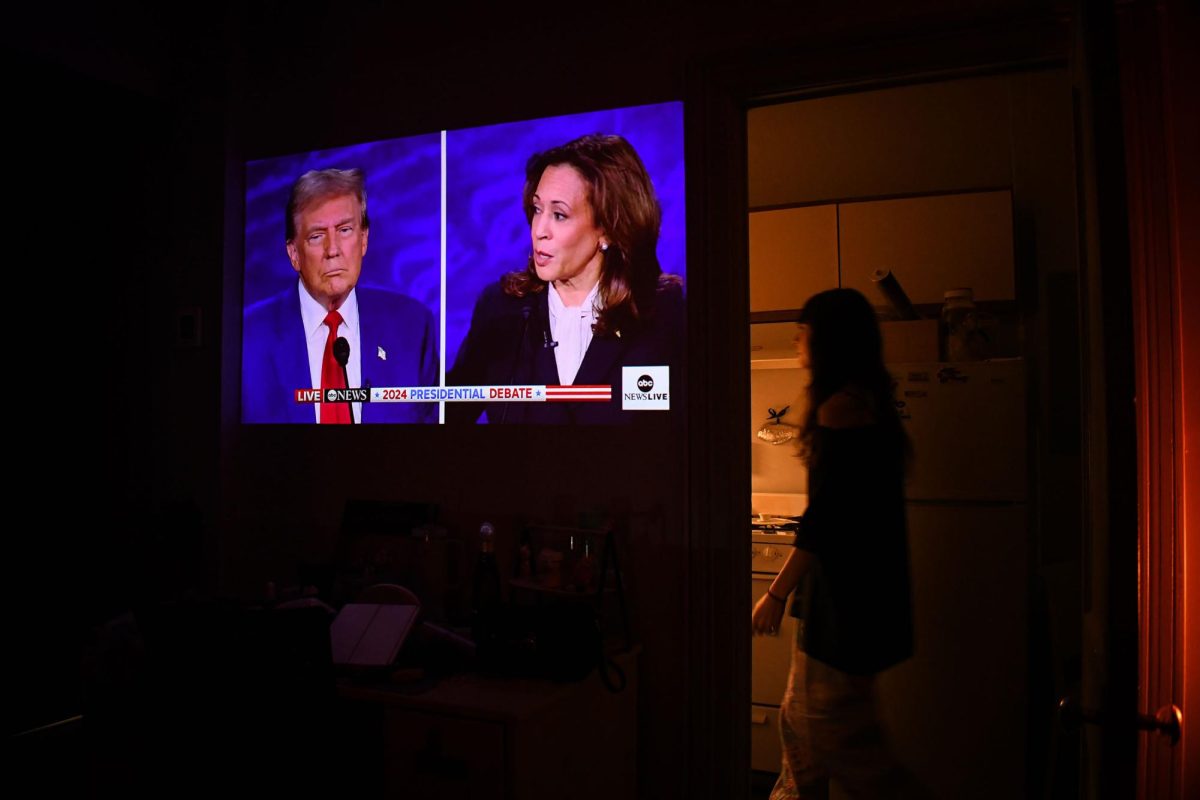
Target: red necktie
332, 377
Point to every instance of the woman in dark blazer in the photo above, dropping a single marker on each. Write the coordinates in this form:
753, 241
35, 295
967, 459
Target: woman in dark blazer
592, 298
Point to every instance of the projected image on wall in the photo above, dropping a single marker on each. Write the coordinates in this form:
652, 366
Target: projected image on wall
523, 273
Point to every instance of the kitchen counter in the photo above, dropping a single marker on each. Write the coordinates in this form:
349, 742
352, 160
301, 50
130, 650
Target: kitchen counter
778, 504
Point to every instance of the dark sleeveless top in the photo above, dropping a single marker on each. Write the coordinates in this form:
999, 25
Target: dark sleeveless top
856, 600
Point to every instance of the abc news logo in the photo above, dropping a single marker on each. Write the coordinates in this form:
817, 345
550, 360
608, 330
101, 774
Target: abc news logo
347, 395
333, 395
646, 388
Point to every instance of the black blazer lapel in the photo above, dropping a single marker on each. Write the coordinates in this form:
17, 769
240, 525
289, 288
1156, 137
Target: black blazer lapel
597, 367
545, 368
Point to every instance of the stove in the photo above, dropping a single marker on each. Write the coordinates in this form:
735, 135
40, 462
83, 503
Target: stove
771, 540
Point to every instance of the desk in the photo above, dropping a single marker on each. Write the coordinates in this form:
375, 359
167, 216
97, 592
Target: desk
518, 739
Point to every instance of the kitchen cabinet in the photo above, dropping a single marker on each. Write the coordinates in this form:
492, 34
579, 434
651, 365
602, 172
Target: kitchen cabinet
930, 243
793, 255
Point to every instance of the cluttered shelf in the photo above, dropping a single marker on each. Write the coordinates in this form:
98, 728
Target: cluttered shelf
573, 593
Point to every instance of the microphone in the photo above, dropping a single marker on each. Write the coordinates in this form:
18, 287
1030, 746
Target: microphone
547, 342
341, 354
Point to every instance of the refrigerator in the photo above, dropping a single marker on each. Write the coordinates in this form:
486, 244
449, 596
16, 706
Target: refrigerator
956, 713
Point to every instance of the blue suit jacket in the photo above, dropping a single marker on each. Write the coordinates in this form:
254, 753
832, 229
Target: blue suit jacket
507, 344
275, 356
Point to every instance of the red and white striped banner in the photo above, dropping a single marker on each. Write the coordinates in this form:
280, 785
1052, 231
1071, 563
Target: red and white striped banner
579, 394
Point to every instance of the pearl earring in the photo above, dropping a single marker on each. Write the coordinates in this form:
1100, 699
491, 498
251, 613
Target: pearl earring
604, 247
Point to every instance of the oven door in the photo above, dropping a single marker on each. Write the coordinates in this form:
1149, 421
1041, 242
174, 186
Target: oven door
771, 655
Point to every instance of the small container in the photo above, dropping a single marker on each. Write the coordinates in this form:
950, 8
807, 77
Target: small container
963, 339
550, 568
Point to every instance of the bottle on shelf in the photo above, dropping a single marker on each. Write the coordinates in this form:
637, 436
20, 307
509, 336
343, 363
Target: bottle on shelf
585, 568
963, 337
486, 600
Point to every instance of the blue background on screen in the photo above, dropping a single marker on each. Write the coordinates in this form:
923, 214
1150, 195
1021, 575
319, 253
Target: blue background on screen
486, 231
403, 203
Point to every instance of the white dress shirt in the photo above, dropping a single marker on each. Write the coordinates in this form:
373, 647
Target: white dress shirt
313, 314
571, 327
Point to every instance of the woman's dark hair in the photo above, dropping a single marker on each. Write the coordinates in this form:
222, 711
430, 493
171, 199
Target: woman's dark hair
625, 207
845, 350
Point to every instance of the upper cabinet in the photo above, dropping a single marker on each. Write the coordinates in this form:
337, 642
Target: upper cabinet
931, 244
914, 178
793, 255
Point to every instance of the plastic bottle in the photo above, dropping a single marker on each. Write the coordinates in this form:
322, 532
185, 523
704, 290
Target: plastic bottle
585, 568
486, 601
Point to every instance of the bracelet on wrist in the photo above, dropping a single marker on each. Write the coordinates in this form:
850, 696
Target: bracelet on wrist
776, 597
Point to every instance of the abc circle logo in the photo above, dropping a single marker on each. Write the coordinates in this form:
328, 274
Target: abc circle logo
330, 395
646, 387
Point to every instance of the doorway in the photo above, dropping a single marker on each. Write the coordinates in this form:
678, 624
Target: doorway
1091, 330
956, 182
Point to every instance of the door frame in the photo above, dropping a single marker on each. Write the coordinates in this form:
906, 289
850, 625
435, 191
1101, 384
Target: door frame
1156, 62
719, 93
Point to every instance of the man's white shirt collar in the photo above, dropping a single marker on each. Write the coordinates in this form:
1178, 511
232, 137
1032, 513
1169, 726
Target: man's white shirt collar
312, 314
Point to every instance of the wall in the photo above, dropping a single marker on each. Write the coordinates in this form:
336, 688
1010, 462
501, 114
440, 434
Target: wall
306, 90
232, 83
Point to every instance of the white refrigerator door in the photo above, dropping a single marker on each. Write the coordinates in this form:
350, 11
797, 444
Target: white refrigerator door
956, 711
967, 425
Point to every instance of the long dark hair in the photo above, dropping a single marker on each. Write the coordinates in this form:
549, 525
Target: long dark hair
846, 352
626, 208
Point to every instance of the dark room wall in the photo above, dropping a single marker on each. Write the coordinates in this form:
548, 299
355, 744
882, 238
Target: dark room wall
382, 75
183, 106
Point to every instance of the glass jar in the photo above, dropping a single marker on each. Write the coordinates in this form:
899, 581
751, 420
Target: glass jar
487, 598
960, 326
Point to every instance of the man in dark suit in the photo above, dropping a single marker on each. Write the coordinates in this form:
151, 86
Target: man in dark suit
288, 339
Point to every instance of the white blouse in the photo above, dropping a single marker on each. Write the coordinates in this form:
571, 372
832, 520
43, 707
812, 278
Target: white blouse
571, 327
